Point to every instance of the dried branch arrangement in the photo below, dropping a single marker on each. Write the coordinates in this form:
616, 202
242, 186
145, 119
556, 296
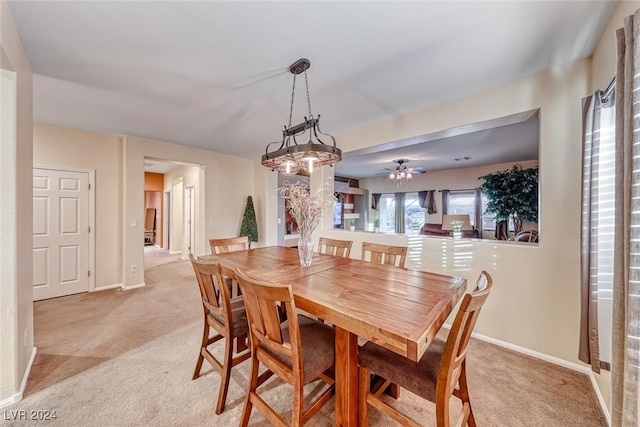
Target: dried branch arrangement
306, 206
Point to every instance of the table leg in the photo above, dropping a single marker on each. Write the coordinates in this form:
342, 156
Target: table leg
346, 378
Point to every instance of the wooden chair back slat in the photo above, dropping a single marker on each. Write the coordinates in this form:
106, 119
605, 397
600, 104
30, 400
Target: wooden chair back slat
214, 293
264, 302
221, 246
457, 344
384, 254
341, 248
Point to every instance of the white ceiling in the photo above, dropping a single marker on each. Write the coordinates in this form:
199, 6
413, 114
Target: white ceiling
159, 166
214, 74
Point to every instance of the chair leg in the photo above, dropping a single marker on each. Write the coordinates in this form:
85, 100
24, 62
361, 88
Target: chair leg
253, 385
443, 416
464, 393
365, 385
205, 339
394, 391
225, 375
297, 417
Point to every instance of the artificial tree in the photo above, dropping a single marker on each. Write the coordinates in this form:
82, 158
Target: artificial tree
249, 226
512, 193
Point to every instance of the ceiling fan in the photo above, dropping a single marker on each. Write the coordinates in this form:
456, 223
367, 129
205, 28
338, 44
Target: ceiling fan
402, 172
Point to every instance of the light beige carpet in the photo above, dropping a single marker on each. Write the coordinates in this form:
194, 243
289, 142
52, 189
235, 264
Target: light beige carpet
125, 358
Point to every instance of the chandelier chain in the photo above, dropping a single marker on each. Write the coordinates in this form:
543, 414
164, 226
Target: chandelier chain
293, 92
292, 156
306, 80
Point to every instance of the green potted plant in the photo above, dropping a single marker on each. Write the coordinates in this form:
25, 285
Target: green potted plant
249, 225
352, 224
512, 193
376, 225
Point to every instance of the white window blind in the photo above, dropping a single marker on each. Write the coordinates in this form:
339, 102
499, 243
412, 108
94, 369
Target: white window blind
603, 228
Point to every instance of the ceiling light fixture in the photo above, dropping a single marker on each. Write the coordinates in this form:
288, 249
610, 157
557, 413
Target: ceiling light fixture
402, 173
290, 156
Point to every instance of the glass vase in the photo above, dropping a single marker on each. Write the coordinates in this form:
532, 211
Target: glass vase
305, 249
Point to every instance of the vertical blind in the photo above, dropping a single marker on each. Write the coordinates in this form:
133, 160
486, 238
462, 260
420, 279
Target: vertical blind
598, 223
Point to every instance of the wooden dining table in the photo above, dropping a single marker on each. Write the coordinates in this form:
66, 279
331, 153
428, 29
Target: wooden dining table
396, 308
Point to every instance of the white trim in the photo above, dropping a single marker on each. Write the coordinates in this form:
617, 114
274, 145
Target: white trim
129, 287
603, 405
551, 359
92, 215
175, 253
18, 396
106, 287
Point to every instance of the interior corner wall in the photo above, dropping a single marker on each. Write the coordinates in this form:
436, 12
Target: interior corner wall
603, 61
227, 182
265, 203
63, 147
17, 337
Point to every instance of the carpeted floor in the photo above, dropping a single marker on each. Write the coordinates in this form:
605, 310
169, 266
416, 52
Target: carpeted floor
125, 358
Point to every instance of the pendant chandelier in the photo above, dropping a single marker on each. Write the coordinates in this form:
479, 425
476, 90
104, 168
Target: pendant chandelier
301, 146
402, 173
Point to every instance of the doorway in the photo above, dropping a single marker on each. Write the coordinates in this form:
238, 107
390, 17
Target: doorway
180, 221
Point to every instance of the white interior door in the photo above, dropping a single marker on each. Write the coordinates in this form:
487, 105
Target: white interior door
60, 233
191, 219
177, 215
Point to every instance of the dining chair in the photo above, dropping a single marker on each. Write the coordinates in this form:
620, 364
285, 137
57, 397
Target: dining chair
530, 236
335, 247
223, 246
232, 244
384, 254
440, 373
224, 315
299, 350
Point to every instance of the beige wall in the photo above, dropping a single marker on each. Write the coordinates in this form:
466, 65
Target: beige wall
535, 302
115, 184
16, 214
224, 188
604, 57
63, 147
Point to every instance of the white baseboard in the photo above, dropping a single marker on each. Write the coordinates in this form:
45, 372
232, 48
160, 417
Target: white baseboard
130, 287
106, 287
603, 405
18, 396
584, 369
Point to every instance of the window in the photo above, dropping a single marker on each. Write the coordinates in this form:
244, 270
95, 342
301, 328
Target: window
598, 229
489, 220
462, 202
387, 213
605, 230
414, 214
